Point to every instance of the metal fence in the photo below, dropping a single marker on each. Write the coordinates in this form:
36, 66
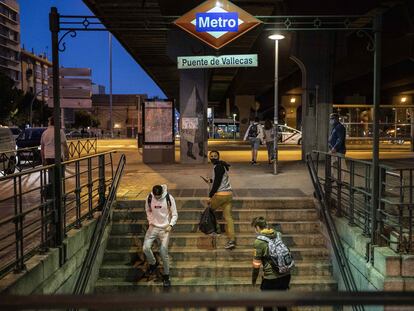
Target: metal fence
27, 205
347, 189
27, 158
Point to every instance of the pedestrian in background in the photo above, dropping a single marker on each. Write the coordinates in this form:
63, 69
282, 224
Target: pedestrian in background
337, 145
162, 216
221, 195
47, 144
255, 135
269, 136
271, 280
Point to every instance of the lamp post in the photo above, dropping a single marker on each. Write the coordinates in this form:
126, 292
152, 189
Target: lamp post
234, 125
276, 38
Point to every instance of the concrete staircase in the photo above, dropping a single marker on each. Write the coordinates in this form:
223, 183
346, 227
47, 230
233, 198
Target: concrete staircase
199, 263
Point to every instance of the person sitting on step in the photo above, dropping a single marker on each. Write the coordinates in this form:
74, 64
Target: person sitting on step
162, 216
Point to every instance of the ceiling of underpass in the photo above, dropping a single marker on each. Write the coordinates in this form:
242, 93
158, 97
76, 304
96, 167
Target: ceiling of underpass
146, 24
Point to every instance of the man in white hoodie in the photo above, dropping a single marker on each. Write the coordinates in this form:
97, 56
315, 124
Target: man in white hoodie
162, 216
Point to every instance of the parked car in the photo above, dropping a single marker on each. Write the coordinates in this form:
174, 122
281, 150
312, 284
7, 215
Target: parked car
289, 135
16, 132
30, 137
8, 156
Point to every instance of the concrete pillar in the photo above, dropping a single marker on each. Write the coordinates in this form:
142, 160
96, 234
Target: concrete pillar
193, 98
314, 50
245, 103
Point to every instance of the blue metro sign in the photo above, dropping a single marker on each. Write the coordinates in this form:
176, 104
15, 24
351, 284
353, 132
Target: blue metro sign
217, 22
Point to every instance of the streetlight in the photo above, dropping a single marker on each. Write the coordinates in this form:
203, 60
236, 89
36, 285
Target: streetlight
31, 104
276, 38
234, 125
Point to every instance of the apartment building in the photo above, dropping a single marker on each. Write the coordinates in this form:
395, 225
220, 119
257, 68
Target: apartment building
10, 40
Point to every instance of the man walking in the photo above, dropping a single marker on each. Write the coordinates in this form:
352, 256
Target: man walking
47, 144
255, 135
162, 216
336, 144
272, 280
221, 195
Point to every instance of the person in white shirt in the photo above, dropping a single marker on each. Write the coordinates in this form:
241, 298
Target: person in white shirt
47, 144
255, 134
162, 216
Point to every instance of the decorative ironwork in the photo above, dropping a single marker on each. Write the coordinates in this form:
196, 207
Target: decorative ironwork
72, 33
363, 33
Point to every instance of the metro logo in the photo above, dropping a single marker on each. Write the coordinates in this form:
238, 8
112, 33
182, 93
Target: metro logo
217, 22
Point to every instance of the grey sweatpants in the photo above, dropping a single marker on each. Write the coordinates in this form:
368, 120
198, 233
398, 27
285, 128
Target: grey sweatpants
151, 235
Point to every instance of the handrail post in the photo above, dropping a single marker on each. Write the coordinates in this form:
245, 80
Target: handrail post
339, 187
102, 186
351, 193
328, 181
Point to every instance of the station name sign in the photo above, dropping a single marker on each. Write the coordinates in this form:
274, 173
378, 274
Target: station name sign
217, 22
223, 61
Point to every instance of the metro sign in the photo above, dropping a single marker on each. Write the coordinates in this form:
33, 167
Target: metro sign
217, 22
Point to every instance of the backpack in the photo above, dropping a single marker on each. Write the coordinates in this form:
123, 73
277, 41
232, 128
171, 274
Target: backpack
253, 131
149, 200
208, 222
279, 254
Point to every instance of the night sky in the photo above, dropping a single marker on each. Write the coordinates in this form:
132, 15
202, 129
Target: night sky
88, 49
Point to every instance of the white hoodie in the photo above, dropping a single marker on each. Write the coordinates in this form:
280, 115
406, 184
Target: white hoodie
159, 213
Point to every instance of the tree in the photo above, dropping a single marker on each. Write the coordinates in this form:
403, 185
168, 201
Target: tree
84, 119
10, 96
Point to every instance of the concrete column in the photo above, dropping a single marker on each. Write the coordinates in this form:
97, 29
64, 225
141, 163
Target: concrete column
313, 49
193, 98
245, 103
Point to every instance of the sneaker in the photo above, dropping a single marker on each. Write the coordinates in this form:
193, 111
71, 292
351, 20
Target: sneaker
151, 269
255, 163
252, 162
230, 245
166, 283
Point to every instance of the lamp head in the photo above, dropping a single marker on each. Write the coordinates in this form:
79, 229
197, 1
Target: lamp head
276, 37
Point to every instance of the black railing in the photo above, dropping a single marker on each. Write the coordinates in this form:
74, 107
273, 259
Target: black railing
27, 205
27, 158
210, 301
90, 258
335, 239
347, 189
82, 147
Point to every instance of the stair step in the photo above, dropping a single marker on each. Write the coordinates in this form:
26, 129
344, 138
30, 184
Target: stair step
238, 214
286, 227
209, 269
253, 202
235, 284
200, 240
188, 253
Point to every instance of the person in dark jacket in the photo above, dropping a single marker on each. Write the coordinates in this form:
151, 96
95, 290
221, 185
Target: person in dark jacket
337, 137
221, 195
271, 280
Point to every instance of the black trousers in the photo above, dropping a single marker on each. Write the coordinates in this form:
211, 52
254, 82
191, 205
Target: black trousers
276, 284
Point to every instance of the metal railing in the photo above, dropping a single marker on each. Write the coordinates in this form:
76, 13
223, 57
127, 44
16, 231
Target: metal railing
346, 184
28, 211
209, 301
81, 147
335, 239
95, 243
27, 158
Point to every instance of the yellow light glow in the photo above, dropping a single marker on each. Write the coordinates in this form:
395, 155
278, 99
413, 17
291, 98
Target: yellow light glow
293, 100
403, 99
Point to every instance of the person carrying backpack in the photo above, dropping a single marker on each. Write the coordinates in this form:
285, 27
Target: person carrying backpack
162, 216
255, 135
276, 265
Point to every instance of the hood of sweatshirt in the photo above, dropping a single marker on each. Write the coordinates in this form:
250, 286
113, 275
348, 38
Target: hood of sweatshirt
164, 192
269, 233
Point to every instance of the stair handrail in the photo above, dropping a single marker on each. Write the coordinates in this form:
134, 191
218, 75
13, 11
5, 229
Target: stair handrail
88, 262
334, 237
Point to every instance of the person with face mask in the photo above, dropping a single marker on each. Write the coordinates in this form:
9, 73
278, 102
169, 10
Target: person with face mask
337, 137
221, 195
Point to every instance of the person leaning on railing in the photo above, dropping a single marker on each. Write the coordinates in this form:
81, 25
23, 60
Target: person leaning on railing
47, 144
336, 144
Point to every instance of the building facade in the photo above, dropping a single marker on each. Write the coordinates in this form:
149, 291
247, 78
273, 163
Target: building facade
126, 112
10, 40
34, 78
